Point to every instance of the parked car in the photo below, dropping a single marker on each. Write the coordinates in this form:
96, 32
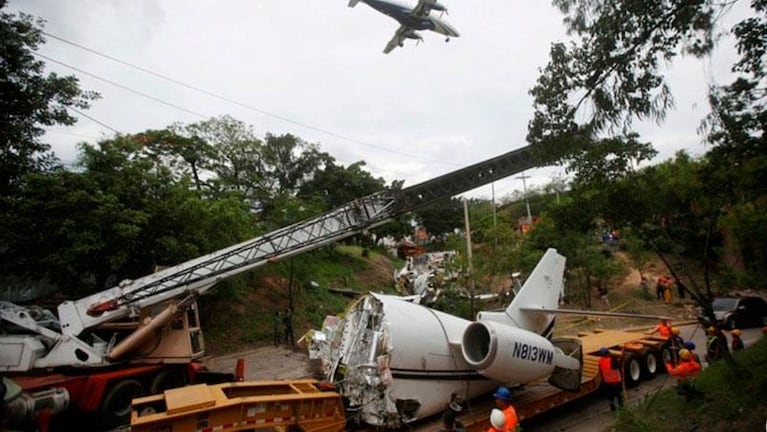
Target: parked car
737, 312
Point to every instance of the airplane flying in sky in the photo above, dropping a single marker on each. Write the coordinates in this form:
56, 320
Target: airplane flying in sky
411, 19
396, 362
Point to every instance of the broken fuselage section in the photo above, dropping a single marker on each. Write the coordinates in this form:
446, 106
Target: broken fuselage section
390, 385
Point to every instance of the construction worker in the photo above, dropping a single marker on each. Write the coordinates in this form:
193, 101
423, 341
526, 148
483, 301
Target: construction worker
715, 345
663, 329
690, 346
611, 386
503, 402
497, 421
675, 343
687, 369
737, 342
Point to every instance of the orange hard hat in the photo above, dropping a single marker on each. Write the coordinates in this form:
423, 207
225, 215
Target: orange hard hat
736, 332
674, 330
685, 354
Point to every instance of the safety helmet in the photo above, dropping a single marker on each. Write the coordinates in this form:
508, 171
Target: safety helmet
603, 351
690, 345
503, 393
684, 354
675, 330
736, 332
497, 419
711, 331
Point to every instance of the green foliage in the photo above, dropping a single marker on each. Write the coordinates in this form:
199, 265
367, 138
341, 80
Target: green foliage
732, 399
30, 100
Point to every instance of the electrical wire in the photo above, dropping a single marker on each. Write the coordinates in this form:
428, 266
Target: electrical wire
243, 105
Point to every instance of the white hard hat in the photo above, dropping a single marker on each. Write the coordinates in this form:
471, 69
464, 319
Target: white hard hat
497, 419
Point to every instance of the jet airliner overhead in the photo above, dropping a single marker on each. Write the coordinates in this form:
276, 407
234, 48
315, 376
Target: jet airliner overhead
411, 20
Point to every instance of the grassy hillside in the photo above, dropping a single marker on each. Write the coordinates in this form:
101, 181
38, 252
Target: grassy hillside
239, 315
733, 400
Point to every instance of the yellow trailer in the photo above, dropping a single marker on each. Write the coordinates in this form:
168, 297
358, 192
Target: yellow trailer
264, 406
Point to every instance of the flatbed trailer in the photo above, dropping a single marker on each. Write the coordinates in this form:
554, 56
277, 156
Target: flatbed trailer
643, 358
290, 405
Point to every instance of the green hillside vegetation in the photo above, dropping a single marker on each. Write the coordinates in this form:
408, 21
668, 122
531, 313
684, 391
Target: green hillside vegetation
733, 399
240, 314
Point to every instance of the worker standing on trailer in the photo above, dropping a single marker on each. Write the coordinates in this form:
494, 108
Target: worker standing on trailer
663, 329
675, 343
503, 402
737, 342
611, 386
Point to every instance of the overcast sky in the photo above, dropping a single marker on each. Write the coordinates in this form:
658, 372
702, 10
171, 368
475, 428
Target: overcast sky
316, 69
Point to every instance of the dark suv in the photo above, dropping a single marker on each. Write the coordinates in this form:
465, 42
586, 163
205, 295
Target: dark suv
738, 312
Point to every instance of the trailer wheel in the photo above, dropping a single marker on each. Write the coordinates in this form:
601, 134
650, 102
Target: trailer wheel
116, 406
649, 365
167, 379
632, 371
665, 357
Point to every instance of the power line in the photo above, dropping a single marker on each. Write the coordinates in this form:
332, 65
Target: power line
241, 104
93, 119
110, 82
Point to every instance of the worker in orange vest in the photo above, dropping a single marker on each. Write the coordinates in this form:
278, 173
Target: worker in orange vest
663, 329
611, 386
687, 369
497, 421
503, 402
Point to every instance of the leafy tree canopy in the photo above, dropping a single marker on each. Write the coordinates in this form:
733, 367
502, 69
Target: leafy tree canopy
30, 100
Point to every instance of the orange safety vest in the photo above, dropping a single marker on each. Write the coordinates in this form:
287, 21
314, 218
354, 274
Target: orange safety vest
511, 418
686, 369
664, 330
609, 375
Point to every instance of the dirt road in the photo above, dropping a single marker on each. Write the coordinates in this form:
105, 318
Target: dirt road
265, 363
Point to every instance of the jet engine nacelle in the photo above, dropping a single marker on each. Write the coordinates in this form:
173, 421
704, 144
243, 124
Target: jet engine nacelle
507, 354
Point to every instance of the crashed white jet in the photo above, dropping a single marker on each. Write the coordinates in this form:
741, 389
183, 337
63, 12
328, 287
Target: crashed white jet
396, 362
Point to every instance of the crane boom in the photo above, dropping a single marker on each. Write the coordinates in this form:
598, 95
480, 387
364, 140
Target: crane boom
196, 276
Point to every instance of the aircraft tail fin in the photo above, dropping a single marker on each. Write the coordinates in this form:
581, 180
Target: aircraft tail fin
542, 290
353, 3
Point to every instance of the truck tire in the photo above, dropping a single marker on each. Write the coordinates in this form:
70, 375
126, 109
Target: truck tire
665, 357
168, 379
649, 365
632, 371
116, 407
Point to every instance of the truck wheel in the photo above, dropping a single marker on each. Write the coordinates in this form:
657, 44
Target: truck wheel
632, 371
167, 379
665, 357
649, 365
116, 406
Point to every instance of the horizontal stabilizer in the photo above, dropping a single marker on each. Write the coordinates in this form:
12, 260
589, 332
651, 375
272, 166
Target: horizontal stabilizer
594, 313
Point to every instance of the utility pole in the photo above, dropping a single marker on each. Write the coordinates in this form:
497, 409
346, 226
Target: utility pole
527, 203
495, 219
468, 258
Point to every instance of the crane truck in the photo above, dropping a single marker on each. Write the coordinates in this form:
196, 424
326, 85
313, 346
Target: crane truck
143, 336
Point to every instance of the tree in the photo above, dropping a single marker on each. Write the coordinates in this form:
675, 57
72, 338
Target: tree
337, 185
29, 101
119, 216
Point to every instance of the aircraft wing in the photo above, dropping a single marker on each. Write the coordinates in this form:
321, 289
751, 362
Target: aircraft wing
399, 38
423, 8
